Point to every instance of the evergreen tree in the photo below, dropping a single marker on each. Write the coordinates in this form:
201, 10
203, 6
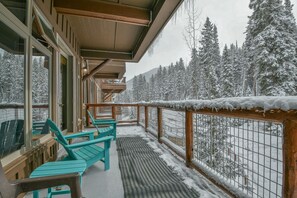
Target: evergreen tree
272, 48
152, 88
206, 51
135, 89
227, 72
180, 80
194, 74
216, 51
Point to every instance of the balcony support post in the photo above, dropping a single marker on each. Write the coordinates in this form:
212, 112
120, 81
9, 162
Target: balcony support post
146, 117
138, 114
160, 131
189, 137
290, 159
87, 115
113, 112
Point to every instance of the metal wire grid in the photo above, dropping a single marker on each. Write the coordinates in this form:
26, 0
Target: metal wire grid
245, 153
127, 113
39, 114
105, 112
142, 115
173, 125
153, 118
11, 114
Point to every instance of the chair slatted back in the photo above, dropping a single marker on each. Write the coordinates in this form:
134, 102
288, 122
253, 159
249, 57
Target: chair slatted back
91, 116
59, 135
93, 121
8, 136
19, 134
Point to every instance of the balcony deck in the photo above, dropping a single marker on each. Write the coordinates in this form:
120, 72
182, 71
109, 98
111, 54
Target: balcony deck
98, 183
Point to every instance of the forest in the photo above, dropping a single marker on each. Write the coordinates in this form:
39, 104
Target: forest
264, 65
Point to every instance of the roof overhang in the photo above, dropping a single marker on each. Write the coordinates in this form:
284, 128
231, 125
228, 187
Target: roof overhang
114, 70
121, 31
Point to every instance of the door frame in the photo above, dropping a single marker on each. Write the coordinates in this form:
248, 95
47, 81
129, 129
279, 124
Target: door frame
71, 84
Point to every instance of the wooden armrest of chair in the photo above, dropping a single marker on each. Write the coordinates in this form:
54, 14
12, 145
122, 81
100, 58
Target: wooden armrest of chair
31, 184
11, 189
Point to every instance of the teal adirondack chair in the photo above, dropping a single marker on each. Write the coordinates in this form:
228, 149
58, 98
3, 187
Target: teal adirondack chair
11, 136
87, 150
97, 123
40, 128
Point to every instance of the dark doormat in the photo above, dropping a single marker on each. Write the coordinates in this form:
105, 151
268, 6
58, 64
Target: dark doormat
145, 174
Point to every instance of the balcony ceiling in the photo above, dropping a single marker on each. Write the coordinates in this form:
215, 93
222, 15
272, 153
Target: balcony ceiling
115, 70
121, 30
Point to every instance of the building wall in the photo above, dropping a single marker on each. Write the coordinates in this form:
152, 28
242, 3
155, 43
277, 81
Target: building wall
36, 151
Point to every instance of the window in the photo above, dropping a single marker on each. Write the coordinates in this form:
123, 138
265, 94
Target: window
17, 7
40, 92
11, 90
42, 32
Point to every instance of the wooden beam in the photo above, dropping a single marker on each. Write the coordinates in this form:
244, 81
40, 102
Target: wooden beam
146, 114
96, 69
138, 114
189, 137
160, 130
106, 75
290, 159
99, 54
103, 10
113, 112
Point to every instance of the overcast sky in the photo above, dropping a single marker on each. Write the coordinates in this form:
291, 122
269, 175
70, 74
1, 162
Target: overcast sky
230, 17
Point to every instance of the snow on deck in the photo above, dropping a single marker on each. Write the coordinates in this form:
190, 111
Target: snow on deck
98, 183
265, 102
190, 177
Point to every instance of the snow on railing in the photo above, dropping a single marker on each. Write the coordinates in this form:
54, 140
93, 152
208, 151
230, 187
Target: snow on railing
246, 146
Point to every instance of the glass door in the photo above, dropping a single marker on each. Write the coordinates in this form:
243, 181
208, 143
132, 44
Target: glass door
63, 92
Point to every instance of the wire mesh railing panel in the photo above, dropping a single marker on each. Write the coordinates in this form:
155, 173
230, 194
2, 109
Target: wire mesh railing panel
245, 154
173, 126
39, 113
103, 112
11, 114
153, 118
126, 113
142, 115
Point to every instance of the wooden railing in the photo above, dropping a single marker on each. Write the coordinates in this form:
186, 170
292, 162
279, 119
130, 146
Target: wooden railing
257, 155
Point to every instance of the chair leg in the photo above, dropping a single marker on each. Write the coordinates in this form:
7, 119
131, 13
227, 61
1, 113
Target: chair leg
35, 194
106, 159
115, 132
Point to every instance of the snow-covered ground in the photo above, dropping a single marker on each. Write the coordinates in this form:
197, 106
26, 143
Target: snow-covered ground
190, 177
255, 151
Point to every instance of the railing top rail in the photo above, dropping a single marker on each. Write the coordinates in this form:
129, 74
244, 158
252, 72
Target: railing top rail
20, 106
111, 104
284, 103
276, 109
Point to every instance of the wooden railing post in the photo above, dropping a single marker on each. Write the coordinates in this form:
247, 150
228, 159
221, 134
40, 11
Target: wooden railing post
160, 130
138, 114
146, 117
290, 159
113, 112
87, 115
189, 137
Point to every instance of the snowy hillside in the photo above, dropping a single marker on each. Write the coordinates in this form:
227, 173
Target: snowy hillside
147, 76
